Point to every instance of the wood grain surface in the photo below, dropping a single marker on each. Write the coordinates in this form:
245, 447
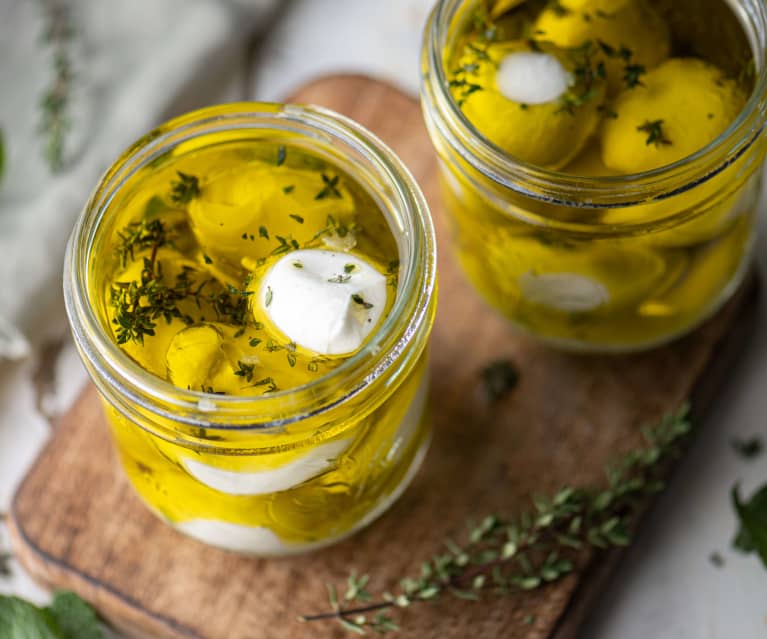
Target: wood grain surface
77, 524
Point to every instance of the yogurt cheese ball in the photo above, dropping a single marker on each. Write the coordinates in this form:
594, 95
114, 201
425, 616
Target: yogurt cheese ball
530, 100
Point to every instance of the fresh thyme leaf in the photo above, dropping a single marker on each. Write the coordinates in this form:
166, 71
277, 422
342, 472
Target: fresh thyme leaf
255, 342
269, 296
262, 232
285, 245
752, 535
349, 268
298, 264
340, 278
281, 154
498, 378
655, 134
330, 189
297, 218
271, 387
632, 75
207, 259
531, 549
185, 189
588, 74
359, 300
748, 448
245, 370
288, 189
273, 346
140, 236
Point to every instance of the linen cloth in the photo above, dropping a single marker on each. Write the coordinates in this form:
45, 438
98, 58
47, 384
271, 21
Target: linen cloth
137, 63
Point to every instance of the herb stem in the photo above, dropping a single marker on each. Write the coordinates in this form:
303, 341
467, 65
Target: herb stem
55, 121
348, 612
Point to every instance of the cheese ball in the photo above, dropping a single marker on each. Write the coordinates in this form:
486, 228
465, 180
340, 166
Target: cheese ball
530, 102
684, 104
629, 25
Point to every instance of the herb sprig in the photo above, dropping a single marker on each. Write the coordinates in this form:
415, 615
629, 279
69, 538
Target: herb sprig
139, 304
527, 551
54, 104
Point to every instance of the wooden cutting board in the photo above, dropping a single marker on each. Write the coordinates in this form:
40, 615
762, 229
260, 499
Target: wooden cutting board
77, 524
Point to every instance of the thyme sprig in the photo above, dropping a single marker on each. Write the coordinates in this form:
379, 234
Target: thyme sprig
139, 236
139, 304
54, 103
524, 552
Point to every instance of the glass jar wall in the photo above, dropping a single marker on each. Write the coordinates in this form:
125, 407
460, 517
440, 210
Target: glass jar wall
271, 465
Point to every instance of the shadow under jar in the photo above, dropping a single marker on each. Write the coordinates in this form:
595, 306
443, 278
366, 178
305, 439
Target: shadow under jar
599, 159
252, 288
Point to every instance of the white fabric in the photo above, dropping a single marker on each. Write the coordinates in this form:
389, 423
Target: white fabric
137, 63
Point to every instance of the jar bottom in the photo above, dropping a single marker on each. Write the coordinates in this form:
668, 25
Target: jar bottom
261, 542
354, 485
593, 345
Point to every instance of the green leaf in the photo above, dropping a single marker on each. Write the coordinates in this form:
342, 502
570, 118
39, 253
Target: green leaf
20, 619
75, 618
752, 535
68, 617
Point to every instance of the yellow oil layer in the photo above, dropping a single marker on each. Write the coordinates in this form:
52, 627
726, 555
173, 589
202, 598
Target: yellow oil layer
603, 291
210, 220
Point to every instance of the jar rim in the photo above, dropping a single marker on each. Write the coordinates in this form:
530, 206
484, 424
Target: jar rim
124, 381
557, 188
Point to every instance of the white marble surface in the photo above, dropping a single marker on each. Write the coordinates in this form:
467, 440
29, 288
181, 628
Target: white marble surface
667, 587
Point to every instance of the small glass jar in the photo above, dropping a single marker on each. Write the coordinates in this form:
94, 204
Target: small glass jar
598, 263
291, 470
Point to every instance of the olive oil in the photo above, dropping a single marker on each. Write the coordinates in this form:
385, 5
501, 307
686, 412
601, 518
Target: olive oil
648, 86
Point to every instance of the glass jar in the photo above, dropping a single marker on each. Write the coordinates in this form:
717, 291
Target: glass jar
291, 470
615, 263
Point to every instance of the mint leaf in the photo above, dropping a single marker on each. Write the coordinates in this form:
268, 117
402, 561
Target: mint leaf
68, 617
20, 619
752, 535
75, 618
